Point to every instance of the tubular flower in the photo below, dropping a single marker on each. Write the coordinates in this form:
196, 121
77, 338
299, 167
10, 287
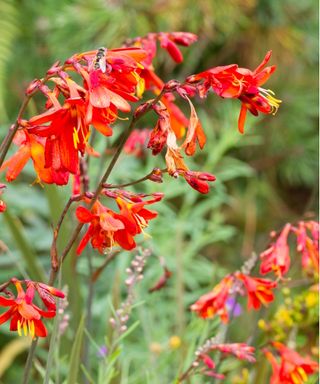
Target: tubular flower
241, 83
308, 244
277, 257
116, 81
24, 314
134, 213
163, 135
104, 224
215, 302
241, 351
292, 368
168, 41
32, 147
108, 227
259, 290
67, 132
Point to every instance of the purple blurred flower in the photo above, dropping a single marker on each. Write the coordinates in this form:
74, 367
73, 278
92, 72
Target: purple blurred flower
103, 351
233, 307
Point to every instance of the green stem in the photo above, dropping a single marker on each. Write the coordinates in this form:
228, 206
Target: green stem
28, 366
147, 177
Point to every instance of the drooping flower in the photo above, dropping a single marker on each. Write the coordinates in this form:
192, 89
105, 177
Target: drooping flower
215, 302
104, 224
24, 314
292, 368
162, 282
134, 213
108, 228
67, 132
32, 147
259, 290
308, 244
233, 82
168, 41
241, 351
277, 257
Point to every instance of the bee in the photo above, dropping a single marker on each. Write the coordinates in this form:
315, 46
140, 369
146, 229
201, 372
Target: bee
100, 60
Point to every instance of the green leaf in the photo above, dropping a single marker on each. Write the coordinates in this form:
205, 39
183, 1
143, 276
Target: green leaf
34, 269
75, 354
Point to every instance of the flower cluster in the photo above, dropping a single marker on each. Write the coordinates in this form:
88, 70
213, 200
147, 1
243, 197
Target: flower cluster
206, 365
276, 258
258, 291
23, 314
107, 228
240, 83
292, 368
55, 138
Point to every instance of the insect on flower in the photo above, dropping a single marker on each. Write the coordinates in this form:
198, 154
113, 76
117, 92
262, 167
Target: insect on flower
100, 61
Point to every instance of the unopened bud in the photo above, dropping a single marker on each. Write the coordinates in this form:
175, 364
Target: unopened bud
33, 86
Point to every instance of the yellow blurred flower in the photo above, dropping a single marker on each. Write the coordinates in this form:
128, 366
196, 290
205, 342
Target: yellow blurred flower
156, 348
174, 342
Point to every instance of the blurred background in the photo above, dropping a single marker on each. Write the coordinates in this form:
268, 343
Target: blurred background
265, 178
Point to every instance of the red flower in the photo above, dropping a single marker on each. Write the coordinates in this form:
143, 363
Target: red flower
108, 227
134, 213
24, 314
259, 290
32, 147
241, 351
104, 224
277, 258
292, 369
199, 180
214, 302
67, 133
241, 83
308, 245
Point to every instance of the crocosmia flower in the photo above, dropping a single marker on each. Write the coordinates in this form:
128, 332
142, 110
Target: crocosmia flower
277, 258
308, 244
241, 83
259, 290
292, 368
107, 227
23, 314
215, 302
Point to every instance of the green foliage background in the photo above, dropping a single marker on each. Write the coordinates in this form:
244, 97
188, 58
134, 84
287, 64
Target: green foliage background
265, 178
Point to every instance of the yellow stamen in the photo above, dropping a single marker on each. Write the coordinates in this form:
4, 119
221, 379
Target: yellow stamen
302, 373
75, 138
140, 87
25, 328
32, 329
274, 103
114, 115
139, 65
